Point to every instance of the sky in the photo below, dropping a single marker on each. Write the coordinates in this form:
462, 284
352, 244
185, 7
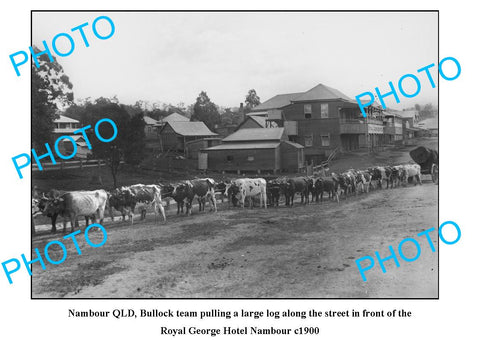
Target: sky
171, 56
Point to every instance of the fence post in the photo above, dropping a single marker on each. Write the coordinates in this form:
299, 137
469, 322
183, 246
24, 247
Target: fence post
61, 165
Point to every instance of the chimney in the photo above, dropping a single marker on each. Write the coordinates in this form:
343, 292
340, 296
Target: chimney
241, 112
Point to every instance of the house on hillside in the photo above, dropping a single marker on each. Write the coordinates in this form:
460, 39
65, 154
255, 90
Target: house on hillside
174, 135
255, 149
150, 128
65, 126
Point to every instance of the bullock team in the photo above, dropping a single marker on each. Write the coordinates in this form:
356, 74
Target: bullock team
343, 184
92, 204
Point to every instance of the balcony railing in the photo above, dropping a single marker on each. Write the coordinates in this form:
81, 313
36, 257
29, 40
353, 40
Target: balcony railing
392, 130
361, 121
360, 126
352, 120
353, 126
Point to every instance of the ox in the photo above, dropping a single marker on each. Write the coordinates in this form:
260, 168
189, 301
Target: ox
346, 182
398, 174
78, 203
248, 187
274, 190
412, 171
122, 200
202, 189
366, 178
381, 174
148, 194
326, 184
40, 203
302, 185
178, 197
359, 180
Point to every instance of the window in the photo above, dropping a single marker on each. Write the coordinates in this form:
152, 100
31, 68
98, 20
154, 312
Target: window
307, 110
325, 140
250, 158
308, 140
324, 110
229, 158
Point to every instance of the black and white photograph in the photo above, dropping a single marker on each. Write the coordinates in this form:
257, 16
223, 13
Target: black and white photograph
221, 154
238, 170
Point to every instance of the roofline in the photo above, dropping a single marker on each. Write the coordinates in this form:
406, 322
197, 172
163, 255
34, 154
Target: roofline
245, 120
259, 148
273, 108
277, 107
324, 100
168, 123
200, 139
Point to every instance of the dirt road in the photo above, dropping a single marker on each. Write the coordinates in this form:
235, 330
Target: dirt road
305, 251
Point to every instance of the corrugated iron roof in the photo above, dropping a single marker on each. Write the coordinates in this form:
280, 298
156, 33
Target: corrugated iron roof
260, 120
191, 128
244, 146
65, 130
277, 102
65, 119
174, 117
255, 134
260, 113
149, 120
322, 92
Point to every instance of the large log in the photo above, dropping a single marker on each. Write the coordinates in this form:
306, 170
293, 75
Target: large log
423, 155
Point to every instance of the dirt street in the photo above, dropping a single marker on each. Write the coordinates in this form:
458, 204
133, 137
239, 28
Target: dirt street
305, 251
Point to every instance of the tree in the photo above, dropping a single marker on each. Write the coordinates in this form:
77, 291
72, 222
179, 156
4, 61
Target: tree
227, 118
51, 90
135, 135
206, 111
59, 88
129, 143
43, 113
252, 99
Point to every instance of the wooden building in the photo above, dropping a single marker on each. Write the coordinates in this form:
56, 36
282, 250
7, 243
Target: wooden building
65, 126
256, 149
152, 140
175, 135
150, 128
173, 117
192, 148
393, 128
323, 119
